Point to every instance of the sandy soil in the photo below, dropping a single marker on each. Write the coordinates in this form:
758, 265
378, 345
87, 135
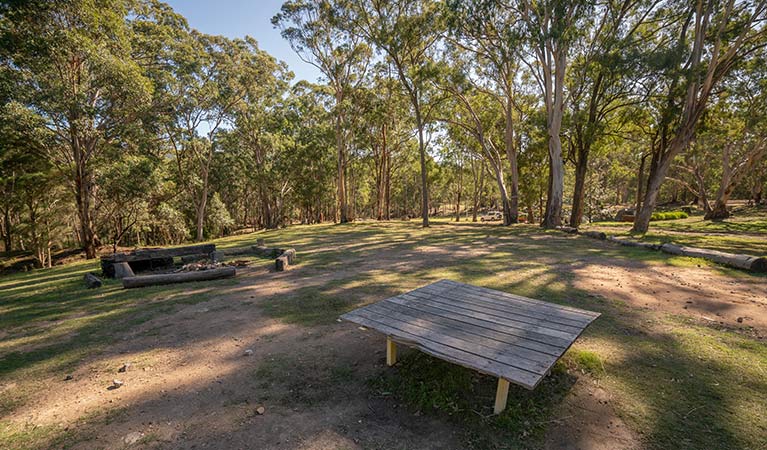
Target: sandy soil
197, 378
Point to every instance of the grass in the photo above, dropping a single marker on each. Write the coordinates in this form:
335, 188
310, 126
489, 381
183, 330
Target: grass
672, 215
745, 232
52, 323
675, 382
465, 397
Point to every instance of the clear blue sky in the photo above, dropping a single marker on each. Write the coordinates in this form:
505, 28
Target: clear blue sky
238, 18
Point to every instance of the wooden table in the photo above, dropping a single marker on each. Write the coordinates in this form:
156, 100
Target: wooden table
514, 338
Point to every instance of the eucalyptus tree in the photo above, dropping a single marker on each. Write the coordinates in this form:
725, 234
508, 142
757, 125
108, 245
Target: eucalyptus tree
258, 137
602, 82
486, 29
734, 132
212, 82
384, 129
307, 117
477, 113
312, 27
81, 62
408, 33
693, 47
23, 172
550, 28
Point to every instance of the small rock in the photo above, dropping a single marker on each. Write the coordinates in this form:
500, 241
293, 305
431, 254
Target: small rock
132, 438
248, 352
740, 320
68, 377
124, 367
117, 383
260, 410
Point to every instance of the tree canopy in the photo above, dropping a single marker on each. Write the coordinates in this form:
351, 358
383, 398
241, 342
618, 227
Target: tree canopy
123, 126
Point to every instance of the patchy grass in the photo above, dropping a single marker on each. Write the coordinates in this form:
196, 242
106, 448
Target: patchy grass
686, 386
51, 323
677, 383
745, 232
430, 385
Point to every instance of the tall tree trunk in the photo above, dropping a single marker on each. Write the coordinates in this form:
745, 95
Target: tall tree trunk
201, 206
640, 183
7, 231
83, 200
460, 191
341, 166
579, 191
757, 191
387, 192
555, 110
479, 186
511, 154
422, 154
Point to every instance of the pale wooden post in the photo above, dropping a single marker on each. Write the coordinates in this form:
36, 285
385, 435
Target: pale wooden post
501, 394
391, 352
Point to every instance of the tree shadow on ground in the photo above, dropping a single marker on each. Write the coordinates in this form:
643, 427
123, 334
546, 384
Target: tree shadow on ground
328, 365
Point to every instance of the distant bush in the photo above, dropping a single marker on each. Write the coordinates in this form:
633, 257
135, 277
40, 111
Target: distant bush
672, 215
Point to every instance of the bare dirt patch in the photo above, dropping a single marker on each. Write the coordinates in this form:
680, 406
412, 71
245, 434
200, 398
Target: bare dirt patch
695, 291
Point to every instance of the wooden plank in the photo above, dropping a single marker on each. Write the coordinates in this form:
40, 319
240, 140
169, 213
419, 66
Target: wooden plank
512, 305
488, 348
501, 396
523, 378
397, 312
539, 303
550, 342
477, 304
477, 328
553, 307
489, 353
554, 336
391, 352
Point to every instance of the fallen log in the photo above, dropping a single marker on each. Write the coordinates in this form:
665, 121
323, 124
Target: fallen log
595, 235
629, 243
266, 251
181, 277
747, 262
566, 229
92, 281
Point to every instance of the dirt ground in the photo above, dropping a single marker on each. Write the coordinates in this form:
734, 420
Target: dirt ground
198, 377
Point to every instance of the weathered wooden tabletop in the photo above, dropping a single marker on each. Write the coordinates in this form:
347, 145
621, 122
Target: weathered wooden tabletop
508, 336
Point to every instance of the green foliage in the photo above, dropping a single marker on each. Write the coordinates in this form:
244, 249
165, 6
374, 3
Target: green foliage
218, 220
671, 215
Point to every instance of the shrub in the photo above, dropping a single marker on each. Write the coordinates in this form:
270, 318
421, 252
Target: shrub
671, 215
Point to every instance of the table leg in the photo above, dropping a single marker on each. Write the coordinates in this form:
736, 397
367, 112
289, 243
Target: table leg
391, 352
501, 394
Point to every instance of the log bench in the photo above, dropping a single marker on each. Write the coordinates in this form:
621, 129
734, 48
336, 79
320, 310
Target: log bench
513, 338
152, 258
